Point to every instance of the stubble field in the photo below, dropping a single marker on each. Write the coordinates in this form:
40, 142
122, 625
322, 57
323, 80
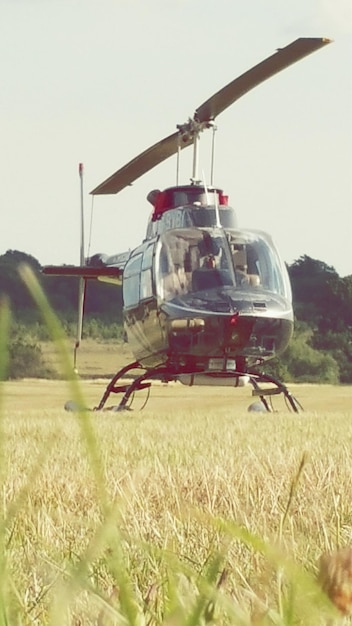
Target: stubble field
191, 511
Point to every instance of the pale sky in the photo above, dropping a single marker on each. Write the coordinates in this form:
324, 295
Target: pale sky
99, 81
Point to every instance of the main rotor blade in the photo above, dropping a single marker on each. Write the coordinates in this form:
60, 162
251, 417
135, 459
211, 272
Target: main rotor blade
165, 148
283, 58
143, 163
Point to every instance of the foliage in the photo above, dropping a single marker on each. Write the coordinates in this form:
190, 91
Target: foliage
306, 364
320, 296
11, 284
303, 363
101, 329
339, 346
324, 301
25, 358
101, 299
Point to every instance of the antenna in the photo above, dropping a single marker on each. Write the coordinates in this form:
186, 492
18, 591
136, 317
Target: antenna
178, 161
82, 282
205, 187
214, 128
195, 156
217, 212
80, 171
218, 223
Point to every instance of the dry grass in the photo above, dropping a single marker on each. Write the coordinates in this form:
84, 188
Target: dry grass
94, 358
193, 512
35, 394
190, 501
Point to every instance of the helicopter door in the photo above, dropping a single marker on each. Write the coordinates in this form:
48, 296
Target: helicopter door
140, 306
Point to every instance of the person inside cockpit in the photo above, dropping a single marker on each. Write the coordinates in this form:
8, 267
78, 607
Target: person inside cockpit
212, 272
244, 260
209, 261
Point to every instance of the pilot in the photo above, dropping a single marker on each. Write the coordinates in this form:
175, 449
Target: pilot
209, 262
210, 252
207, 274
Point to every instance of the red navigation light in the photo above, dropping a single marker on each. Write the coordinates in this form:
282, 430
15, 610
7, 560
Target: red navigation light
234, 319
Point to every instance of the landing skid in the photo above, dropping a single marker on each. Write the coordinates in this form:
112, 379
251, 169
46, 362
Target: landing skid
165, 374
140, 382
279, 388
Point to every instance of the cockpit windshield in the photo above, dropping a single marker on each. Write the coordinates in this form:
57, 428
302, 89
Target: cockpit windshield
193, 260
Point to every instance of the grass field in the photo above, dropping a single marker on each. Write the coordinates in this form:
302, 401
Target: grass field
192, 511
51, 394
94, 358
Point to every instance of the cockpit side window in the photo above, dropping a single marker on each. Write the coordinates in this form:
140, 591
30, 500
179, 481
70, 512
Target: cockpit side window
257, 263
146, 286
174, 274
131, 280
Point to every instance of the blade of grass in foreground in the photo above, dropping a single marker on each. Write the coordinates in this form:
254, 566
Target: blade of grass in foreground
58, 338
5, 317
10, 599
304, 598
107, 536
4, 335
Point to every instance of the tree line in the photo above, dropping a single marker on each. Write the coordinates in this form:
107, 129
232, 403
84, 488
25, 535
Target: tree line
321, 349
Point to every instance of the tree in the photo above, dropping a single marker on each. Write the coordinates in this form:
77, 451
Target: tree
312, 289
303, 363
12, 285
324, 301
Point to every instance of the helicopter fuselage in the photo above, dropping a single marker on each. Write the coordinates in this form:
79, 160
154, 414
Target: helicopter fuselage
201, 295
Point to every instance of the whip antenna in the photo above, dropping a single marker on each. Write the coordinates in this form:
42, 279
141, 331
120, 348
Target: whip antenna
214, 129
217, 211
80, 170
90, 227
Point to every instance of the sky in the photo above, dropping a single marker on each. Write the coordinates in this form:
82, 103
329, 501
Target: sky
99, 81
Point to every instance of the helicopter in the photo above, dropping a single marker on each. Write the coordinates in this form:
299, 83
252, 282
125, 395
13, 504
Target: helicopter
204, 301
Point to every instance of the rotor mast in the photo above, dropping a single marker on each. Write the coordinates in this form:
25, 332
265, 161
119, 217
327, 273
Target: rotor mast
195, 177
190, 133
